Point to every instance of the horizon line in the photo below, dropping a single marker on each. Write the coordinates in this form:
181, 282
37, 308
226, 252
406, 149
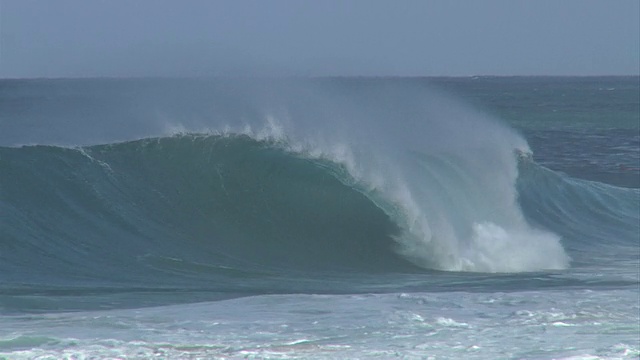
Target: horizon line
141, 77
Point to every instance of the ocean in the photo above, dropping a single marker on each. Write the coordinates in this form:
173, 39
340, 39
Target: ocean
320, 218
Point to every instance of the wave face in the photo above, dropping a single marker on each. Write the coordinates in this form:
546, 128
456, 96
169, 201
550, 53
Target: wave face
334, 186
234, 204
598, 222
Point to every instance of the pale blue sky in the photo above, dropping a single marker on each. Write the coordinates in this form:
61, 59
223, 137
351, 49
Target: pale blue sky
330, 37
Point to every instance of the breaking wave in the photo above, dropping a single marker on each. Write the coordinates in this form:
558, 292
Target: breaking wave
330, 187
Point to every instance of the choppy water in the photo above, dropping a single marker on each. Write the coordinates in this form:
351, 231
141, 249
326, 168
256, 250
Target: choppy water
325, 218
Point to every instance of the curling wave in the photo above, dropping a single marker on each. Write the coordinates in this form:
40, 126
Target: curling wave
235, 205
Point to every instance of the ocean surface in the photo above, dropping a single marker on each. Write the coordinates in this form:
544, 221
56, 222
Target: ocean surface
320, 218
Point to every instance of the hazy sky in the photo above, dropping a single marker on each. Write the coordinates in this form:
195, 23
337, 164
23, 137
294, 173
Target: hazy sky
318, 37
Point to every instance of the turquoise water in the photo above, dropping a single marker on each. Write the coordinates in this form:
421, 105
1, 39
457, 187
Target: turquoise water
320, 218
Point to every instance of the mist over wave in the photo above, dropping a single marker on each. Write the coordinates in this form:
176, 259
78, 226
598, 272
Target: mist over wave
385, 178
444, 173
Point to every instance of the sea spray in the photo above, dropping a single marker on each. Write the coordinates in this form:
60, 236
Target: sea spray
445, 173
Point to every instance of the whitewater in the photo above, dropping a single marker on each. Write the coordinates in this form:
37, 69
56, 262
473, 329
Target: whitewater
319, 218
